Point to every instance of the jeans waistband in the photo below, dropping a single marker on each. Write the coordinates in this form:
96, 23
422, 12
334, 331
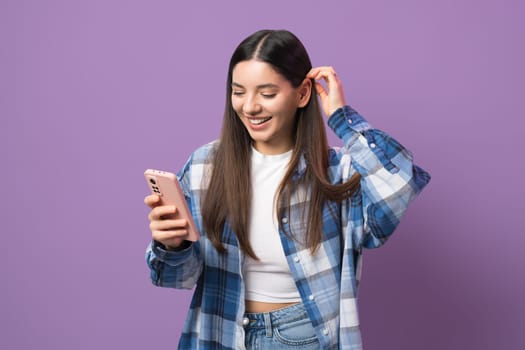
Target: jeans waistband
277, 317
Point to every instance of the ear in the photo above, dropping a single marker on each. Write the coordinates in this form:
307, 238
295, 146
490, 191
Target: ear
304, 90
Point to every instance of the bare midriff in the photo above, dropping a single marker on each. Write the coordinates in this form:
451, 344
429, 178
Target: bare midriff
253, 306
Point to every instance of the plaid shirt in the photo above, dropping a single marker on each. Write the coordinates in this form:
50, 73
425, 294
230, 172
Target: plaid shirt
328, 280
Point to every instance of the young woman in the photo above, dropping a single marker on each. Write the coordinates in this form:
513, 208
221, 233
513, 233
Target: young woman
283, 217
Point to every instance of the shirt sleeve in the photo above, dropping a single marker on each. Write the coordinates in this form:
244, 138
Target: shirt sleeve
389, 178
180, 268
175, 269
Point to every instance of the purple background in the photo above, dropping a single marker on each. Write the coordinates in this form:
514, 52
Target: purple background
94, 92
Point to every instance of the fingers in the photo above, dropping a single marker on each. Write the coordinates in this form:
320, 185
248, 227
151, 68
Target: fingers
168, 225
315, 71
327, 73
332, 97
165, 237
152, 200
162, 236
158, 211
164, 228
320, 90
171, 239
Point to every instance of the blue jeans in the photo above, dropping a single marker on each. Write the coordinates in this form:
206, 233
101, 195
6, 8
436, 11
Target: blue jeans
286, 328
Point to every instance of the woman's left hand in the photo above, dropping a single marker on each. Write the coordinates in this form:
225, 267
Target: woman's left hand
332, 99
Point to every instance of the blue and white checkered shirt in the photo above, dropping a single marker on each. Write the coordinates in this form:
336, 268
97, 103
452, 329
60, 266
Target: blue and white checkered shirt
328, 280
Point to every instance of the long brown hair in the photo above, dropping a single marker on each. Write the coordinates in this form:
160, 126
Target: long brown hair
227, 200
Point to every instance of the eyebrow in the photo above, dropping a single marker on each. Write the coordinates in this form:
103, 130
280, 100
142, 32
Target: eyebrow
262, 86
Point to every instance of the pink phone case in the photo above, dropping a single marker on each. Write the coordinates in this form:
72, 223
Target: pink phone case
166, 185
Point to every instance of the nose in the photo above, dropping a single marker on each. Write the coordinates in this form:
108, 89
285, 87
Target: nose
251, 106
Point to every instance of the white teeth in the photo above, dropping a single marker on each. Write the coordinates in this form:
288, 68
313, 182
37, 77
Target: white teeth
259, 121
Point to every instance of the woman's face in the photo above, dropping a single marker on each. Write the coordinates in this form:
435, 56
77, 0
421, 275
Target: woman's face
266, 104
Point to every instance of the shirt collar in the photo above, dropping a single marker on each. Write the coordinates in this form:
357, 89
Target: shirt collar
300, 169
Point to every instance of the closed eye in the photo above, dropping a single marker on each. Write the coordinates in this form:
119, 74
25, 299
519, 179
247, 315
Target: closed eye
269, 95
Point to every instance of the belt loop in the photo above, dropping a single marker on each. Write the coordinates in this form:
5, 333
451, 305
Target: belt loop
268, 324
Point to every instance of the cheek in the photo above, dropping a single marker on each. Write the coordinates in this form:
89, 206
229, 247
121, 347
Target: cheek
284, 106
287, 109
236, 105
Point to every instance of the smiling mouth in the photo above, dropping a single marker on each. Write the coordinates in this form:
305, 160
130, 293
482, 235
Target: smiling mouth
258, 121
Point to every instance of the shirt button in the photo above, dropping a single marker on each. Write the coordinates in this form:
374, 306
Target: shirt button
296, 259
349, 121
325, 331
372, 145
284, 220
245, 321
311, 297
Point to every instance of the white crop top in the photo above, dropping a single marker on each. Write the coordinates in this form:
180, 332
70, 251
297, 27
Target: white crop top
269, 279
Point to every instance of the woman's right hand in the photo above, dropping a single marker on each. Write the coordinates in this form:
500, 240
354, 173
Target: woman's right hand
165, 229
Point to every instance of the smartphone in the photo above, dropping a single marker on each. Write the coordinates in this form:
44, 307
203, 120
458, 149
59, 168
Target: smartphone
166, 185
